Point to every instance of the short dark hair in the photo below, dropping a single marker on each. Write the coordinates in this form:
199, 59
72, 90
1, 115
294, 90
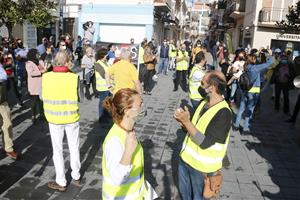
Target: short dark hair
199, 57
101, 53
219, 82
109, 46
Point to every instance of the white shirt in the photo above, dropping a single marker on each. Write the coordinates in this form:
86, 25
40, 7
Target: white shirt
198, 75
3, 75
113, 153
238, 65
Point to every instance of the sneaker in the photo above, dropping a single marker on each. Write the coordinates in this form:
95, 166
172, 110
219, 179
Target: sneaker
55, 186
12, 154
18, 105
149, 93
76, 182
174, 90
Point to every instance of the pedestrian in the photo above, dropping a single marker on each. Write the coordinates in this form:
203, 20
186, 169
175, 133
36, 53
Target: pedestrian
79, 49
123, 74
42, 47
284, 74
250, 98
163, 52
150, 62
182, 62
196, 76
196, 49
5, 116
60, 96
102, 84
172, 55
123, 157
87, 64
142, 68
20, 55
48, 57
209, 58
35, 69
207, 137
111, 54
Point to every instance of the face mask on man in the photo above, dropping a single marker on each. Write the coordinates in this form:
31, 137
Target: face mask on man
241, 58
203, 92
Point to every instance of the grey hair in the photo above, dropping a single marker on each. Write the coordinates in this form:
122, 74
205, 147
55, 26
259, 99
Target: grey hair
62, 58
125, 54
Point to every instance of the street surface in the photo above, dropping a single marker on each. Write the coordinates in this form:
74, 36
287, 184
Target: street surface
263, 165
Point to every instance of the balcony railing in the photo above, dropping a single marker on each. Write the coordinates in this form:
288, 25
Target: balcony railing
272, 14
236, 8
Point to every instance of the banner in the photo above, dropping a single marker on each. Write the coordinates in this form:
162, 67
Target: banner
134, 49
228, 43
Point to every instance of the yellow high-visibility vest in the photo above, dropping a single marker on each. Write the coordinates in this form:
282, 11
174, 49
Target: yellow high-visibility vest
172, 51
101, 84
254, 90
134, 187
60, 97
210, 159
193, 85
141, 55
182, 65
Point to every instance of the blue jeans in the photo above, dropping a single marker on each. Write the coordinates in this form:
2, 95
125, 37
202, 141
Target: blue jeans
163, 64
102, 96
191, 182
233, 90
247, 104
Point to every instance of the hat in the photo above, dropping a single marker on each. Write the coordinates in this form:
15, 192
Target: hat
277, 50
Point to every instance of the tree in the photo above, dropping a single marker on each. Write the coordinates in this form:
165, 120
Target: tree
36, 12
292, 24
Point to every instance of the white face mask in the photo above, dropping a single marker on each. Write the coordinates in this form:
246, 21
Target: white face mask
64, 47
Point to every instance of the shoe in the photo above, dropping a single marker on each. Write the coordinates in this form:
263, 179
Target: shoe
18, 105
149, 93
76, 182
144, 92
246, 132
174, 90
12, 154
235, 128
55, 186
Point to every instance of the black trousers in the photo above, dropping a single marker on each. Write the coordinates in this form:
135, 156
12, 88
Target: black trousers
11, 84
284, 87
181, 80
36, 105
296, 109
87, 86
148, 80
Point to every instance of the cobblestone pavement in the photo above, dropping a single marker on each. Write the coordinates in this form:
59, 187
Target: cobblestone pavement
263, 165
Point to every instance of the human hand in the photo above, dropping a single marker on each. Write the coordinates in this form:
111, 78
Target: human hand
182, 115
130, 142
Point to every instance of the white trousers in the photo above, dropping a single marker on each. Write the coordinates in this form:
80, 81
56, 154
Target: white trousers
57, 134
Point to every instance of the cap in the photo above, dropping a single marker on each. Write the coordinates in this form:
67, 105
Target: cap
277, 50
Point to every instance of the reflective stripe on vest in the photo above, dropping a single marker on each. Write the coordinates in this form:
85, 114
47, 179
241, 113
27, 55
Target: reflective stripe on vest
193, 86
60, 97
210, 159
254, 90
182, 65
133, 187
101, 84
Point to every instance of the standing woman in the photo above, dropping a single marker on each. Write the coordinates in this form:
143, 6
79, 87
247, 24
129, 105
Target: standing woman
87, 64
123, 160
34, 70
149, 61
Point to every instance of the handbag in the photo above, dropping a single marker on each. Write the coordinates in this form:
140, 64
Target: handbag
212, 184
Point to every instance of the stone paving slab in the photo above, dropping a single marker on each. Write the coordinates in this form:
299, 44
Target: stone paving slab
263, 165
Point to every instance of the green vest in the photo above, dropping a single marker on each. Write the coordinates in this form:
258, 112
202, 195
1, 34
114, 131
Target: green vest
60, 97
134, 187
101, 84
182, 65
210, 159
193, 85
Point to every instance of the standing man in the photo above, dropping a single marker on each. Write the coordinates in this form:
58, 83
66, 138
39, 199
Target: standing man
60, 96
42, 47
163, 58
5, 117
196, 76
181, 68
207, 137
172, 55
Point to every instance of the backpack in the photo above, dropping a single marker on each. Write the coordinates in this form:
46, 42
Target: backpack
245, 82
283, 74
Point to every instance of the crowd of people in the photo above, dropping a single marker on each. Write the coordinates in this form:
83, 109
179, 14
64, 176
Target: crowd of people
57, 78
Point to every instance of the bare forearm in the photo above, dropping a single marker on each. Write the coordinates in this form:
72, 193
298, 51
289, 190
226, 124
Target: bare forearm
191, 129
126, 158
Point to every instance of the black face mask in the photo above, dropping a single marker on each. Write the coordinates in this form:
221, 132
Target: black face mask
202, 92
241, 58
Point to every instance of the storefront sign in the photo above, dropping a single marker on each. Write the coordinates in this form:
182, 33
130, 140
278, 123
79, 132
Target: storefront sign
288, 37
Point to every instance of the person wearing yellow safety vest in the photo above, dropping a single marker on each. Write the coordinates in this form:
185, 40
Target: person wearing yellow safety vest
207, 137
172, 55
123, 157
60, 97
250, 98
102, 86
142, 67
196, 75
181, 68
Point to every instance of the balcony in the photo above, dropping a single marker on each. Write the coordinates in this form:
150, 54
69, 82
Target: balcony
163, 5
236, 9
269, 16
